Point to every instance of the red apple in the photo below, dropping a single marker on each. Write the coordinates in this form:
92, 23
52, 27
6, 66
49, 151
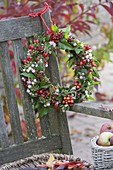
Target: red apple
104, 139
111, 141
106, 127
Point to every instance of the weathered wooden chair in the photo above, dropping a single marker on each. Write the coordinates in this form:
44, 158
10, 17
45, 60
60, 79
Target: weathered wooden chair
54, 126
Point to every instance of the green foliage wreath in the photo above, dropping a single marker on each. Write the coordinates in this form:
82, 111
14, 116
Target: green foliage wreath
43, 93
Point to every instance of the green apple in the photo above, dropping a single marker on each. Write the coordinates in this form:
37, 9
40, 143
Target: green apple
104, 139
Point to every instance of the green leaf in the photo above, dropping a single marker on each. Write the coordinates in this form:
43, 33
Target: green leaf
65, 46
54, 28
46, 86
44, 111
66, 30
36, 106
95, 73
90, 76
47, 38
90, 98
29, 75
66, 35
96, 82
78, 50
84, 71
70, 62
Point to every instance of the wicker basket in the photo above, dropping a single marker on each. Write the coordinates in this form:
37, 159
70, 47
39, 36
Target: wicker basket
36, 160
102, 155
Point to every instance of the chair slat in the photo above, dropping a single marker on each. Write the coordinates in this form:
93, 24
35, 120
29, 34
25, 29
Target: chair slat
45, 126
15, 28
30, 148
10, 93
26, 101
60, 120
94, 109
3, 133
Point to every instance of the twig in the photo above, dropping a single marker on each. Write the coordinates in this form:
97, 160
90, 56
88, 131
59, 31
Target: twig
106, 108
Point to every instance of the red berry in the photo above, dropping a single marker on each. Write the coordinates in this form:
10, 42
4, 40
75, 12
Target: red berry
93, 64
89, 71
55, 105
84, 60
40, 91
87, 47
53, 87
35, 41
36, 59
28, 58
68, 98
45, 55
31, 47
63, 102
77, 86
24, 61
43, 95
72, 101
81, 63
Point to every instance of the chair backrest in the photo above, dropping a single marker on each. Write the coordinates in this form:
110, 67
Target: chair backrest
54, 125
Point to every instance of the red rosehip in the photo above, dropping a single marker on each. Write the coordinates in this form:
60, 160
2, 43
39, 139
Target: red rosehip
28, 58
31, 47
45, 55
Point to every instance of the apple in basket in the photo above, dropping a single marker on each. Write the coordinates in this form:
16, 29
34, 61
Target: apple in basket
105, 139
106, 127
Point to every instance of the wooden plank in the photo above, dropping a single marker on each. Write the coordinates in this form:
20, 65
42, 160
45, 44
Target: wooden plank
64, 132
20, 27
10, 93
45, 125
58, 120
3, 133
94, 109
27, 149
26, 101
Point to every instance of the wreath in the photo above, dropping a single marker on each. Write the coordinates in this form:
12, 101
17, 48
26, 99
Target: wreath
43, 93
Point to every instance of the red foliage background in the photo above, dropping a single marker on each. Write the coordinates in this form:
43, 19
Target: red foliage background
63, 12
